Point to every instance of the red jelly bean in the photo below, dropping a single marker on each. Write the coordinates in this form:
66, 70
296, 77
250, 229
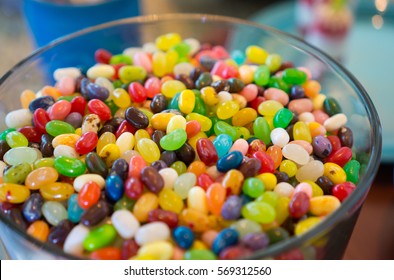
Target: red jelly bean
86, 143
78, 104
299, 205
192, 128
267, 164
40, 119
98, 107
107, 253
343, 190
207, 151
235, 253
136, 164
59, 110
129, 249
89, 195
137, 92
256, 102
33, 134
124, 126
167, 217
152, 86
204, 181
102, 56
340, 156
133, 188
255, 146
335, 143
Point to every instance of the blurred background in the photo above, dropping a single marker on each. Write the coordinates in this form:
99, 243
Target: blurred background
358, 33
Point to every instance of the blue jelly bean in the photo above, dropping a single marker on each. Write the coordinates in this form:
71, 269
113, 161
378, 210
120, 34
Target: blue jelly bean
231, 208
230, 161
238, 56
255, 240
120, 167
222, 143
43, 102
95, 91
74, 211
31, 209
224, 239
174, 102
183, 236
114, 188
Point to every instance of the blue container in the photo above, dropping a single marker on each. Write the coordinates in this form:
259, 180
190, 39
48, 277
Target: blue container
48, 20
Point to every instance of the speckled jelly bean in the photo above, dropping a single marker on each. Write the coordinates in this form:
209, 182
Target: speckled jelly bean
17, 174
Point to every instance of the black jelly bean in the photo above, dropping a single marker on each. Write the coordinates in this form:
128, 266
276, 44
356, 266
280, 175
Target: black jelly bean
169, 157
159, 164
250, 168
156, 136
96, 164
195, 73
276, 235
115, 122
120, 167
204, 80
95, 214
46, 147
186, 153
136, 118
31, 208
95, 91
220, 85
207, 62
58, 234
43, 102
236, 85
15, 215
345, 135
106, 128
186, 80
151, 178
296, 92
4, 147
158, 104
281, 176
325, 184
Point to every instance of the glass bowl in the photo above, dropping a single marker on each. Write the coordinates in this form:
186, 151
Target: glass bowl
327, 240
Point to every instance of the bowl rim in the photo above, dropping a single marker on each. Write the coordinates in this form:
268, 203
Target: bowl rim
348, 207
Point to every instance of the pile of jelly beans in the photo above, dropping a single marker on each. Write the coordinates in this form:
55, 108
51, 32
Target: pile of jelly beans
175, 150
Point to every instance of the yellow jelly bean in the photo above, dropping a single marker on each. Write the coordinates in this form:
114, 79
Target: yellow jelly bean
170, 201
256, 54
316, 189
246, 74
159, 64
269, 180
323, 205
121, 98
233, 181
171, 60
209, 96
148, 150
40, 177
305, 225
269, 107
282, 209
316, 129
78, 131
204, 121
244, 116
197, 200
334, 172
196, 220
39, 230
301, 132
109, 153
146, 203
68, 139
318, 101
57, 191
289, 167
199, 245
227, 109
187, 101
176, 122
141, 134
105, 139
166, 41
126, 141
160, 121
26, 97
157, 250
13, 193
172, 87
240, 99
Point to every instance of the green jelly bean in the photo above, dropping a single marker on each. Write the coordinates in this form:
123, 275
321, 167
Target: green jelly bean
262, 75
112, 106
120, 58
331, 106
54, 212
222, 127
132, 73
245, 226
21, 154
55, 128
283, 117
352, 170
182, 49
16, 139
174, 140
270, 198
117, 84
199, 254
262, 130
174, 102
259, 212
179, 166
199, 106
276, 235
4, 133
99, 237
67, 97
294, 76
253, 187
276, 82
124, 203
70, 167
44, 162
17, 173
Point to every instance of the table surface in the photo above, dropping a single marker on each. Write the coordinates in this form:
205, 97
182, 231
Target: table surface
373, 235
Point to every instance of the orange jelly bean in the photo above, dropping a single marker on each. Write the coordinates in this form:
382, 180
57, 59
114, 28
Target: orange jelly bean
107, 253
89, 195
232, 181
195, 220
146, 203
216, 195
197, 167
40, 177
275, 152
39, 230
57, 191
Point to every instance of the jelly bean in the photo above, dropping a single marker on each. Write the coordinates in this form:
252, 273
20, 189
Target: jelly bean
26, 97
74, 211
256, 54
54, 212
260, 212
148, 150
206, 151
222, 143
120, 167
276, 235
232, 181
321, 146
13, 193
352, 169
91, 122
174, 140
323, 205
331, 106
224, 239
146, 203
152, 232
129, 249
184, 183
196, 199
95, 164
78, 105
100, 70
200, 254
197, 167
98, 107
57, 191
114, 187
20, 154
55, 128
345, 135
158, 250
262, 129
340, 156
86, 143
310, 171
282, 118
58, 234
229, 161
44, 162
334, 172
253, 187
95, 214
137, 92
343, 190
99, 237
65, 139
39, 230
64, 150
109, 153
231, 209
73, 243
124, 203
152, 179
175, 123
335, 122
168, 217
158, 104
31, 209
125, 223
294, 76
195, 220
107, 253
284, 189
43, 102
299, 205
250, 168
17, 174
70, 167
136, 118
89, 195
295, 153
267, 164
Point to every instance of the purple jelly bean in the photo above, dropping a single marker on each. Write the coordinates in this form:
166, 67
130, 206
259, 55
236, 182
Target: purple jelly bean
255, 241
231, 208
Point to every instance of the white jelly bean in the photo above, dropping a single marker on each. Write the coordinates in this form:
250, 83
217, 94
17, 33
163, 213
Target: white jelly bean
183, 68
104, 82
279, 137
21, 154
64, 150
335, 122
306, 117
71, 72
224, 96
81, 180
125, 142
54, 212
310, 171
284, 189
295, 153
194, 45
100, 70
19, 118
91, 123
130, 52
74, 241
156, 231
125, 223
169, 176
149, 47
197, 199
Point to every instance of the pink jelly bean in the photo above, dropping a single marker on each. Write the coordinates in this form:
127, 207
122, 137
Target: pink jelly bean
240, 145
301, 105
320, 116
303, 187
250, 92
152, 86
277, 95
307, 146
59, 110
136, 164
220, 52
66, 85
142, 59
